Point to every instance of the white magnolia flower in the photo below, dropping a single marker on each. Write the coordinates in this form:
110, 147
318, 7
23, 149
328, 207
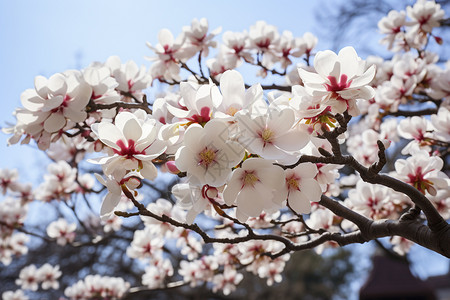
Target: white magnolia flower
208, 155
28, 278
391, 25
256, 186
145, 245
115, 184
371, 200
340, 80
133, 140
237, 45
56, 100
418, 129
227, 281
62, 231
273, 135
168, 53
48, 275
301, 187
131, 79
156, 275
425, 15
423, 172
198, 38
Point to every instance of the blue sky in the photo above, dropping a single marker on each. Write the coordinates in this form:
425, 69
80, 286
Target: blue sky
45, 37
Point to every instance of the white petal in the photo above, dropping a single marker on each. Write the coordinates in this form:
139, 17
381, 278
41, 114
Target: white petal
149, 170
132, 130
232, 87
365, 78
109, 135
57, 84
55, 122
311, 189
348, 59
324, 62
298, 202
109, 203
247, 202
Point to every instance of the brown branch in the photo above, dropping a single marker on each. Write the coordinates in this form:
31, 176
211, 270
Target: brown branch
92, 106
410, 113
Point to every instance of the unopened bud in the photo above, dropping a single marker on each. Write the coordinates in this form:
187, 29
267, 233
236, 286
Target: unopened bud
170, 165
438, 40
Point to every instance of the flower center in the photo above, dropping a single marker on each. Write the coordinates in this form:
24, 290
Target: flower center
232, 111
419, 182
292, 183
334, 86
203, 118
249, 179
127, 151
267, 136
207, 157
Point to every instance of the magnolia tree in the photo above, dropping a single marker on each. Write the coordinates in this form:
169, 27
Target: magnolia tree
337, 150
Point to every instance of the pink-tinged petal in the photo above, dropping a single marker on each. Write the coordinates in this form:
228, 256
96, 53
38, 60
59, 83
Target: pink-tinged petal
324, 62
52, 103
232, 87
311, 189
365, 78
292, 140
57, 84
247, 202
132, 130
348, 59
109, 203
149, 170
109, 135
299, 202
54, 122
165, 38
